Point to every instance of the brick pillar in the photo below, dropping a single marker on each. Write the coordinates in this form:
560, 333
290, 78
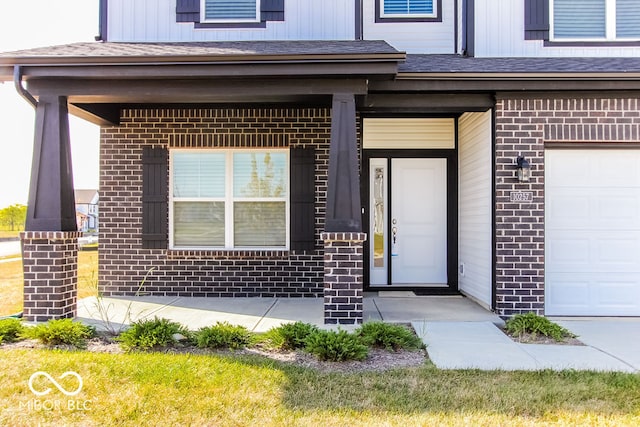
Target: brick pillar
50, 263
343, 278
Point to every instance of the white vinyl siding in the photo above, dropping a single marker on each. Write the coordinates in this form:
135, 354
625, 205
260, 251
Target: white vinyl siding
230, 10
229, 199
412, 37
475, 214
592, 232
405, 133
499, 32
155, 21
407, 8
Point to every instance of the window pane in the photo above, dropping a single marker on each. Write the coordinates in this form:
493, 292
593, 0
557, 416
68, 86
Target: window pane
261, 224
378, 217
230, 9
198, 224
574, 19
408, 7
628, 19
198, 174
259, 174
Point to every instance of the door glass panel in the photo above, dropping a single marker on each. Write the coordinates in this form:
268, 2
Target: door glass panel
378, 216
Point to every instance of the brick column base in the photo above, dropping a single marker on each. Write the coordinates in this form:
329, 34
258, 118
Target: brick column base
50, 263
343, 278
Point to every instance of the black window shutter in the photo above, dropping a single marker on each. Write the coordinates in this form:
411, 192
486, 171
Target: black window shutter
302, 177
187, 10
154, 197
272, 10
536, 19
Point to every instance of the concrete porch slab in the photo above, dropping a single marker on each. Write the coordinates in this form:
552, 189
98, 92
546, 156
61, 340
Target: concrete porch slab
433, 308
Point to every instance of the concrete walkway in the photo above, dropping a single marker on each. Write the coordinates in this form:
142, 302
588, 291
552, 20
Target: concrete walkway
459, 334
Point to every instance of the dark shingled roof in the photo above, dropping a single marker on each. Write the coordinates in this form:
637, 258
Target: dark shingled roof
207, 49
463, 64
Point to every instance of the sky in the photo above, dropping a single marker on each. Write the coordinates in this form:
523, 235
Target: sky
42, 23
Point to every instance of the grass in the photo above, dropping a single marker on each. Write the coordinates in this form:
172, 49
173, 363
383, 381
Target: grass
11, 281
8, 233
179, 389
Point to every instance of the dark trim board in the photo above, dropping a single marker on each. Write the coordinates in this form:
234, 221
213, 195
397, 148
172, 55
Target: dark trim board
452, 212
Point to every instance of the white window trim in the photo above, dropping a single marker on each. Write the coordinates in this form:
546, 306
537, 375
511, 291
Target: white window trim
203, 19
434, 14
229, 200
610, 32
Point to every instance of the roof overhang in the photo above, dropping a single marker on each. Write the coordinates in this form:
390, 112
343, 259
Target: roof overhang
98, 78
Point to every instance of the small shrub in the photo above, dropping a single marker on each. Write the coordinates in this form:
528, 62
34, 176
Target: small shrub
61, 331
10, 330
388, 336
289, 336
150, 333
223, 335
336, 346
533, 324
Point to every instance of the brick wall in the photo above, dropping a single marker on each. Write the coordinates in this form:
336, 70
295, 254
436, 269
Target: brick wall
123, 262
50, 264
523, 126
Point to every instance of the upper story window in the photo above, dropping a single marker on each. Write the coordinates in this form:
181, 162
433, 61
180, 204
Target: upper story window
217, 11
595, 20
408, 10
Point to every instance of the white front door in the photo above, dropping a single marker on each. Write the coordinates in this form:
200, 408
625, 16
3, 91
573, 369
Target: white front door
409, 236
418, 221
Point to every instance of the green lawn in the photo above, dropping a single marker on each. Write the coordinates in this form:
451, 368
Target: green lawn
168, 389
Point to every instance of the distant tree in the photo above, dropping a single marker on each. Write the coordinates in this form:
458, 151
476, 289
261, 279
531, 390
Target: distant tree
13, 217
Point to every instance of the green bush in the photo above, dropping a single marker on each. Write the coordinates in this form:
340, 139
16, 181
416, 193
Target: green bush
336, 346
388, 336
223, 335
61, 331
533, 324
150, 333
10, 330
289, 336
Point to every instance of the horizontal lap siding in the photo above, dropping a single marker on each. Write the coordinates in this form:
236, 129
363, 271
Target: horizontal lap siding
123, 261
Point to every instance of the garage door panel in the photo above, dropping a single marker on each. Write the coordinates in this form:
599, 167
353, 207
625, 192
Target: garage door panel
582, 295
592, 232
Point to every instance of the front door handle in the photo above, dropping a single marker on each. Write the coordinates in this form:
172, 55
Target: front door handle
394, 232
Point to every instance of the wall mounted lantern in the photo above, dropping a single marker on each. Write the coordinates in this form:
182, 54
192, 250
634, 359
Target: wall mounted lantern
523, 169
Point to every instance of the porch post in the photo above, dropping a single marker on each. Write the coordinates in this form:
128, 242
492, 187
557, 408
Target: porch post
343, 237
50, 242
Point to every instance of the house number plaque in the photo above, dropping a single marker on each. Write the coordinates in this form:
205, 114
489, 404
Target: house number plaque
521, 196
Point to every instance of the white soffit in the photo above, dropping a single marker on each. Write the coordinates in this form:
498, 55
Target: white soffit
409, 133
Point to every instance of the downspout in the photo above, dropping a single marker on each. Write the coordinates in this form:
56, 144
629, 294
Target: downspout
17, 81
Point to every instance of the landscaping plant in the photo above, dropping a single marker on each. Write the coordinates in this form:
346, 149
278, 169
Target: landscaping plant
10, 330
223, 335
388, 336
289, 336
61, 332
151, 333
533, 324
336, 346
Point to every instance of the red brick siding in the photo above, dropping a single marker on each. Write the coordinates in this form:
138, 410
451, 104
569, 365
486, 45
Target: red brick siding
123, 262
523, 126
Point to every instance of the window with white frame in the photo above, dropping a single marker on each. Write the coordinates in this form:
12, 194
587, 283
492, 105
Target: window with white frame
229, 199
595, 20
408, 9
230, 10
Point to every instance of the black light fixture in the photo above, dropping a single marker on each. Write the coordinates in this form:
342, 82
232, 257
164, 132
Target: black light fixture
524, 169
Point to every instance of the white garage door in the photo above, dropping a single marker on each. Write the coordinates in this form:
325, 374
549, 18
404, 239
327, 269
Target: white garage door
592, 232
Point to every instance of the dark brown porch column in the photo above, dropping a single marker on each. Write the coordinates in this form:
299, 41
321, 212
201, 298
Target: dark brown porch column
343, 239
50, 242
